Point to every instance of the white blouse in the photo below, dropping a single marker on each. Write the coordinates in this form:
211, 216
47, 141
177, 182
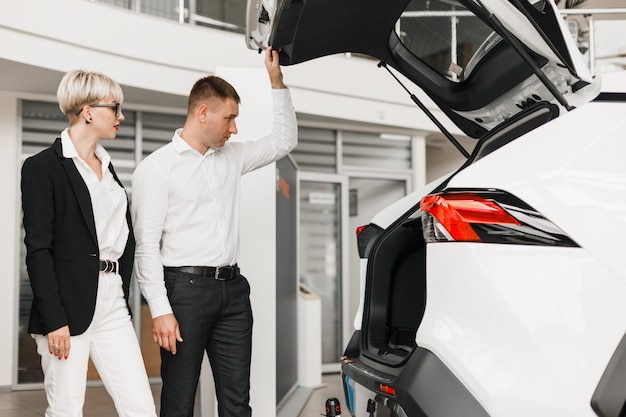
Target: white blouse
108, 200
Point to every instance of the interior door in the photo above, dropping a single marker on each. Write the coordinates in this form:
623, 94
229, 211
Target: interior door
323, 251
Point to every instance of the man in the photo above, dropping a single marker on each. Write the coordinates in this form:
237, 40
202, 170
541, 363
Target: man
186, 219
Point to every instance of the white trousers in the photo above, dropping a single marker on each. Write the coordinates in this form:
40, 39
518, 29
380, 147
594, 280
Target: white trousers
112, 344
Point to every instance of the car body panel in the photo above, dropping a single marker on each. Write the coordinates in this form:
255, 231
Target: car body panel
531, 331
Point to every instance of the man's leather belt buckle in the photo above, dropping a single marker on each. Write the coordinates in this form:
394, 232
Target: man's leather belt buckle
106, 265
224, 273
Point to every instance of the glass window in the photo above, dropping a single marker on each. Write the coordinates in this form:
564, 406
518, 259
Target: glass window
320, 258
163, 8
168, 9
227, 15
443, 34
224, 14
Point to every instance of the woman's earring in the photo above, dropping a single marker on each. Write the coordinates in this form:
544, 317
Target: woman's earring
88, 121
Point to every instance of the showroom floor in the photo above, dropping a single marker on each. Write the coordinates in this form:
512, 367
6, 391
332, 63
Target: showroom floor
99, 404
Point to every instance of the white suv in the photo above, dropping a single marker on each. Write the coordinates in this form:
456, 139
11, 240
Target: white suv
500, 289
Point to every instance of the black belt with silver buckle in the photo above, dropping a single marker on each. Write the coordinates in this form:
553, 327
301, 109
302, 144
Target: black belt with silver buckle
107, 265
220, 273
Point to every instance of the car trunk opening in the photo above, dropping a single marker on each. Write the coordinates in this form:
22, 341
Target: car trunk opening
396, 294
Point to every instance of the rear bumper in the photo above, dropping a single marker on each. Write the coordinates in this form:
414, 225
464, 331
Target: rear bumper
424, 387
609, 399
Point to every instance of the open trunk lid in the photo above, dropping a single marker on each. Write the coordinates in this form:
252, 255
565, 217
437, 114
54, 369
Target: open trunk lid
481, 61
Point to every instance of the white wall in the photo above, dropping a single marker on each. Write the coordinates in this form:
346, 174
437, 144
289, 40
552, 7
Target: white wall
610, 45
9, 213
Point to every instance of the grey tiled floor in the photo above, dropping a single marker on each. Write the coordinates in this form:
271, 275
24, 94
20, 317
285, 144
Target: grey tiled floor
99, 404
317, 401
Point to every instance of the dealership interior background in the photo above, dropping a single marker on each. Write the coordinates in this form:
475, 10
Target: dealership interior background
362, 145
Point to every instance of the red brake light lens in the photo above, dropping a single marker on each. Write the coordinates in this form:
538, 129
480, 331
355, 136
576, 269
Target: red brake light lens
456, 213
487, 216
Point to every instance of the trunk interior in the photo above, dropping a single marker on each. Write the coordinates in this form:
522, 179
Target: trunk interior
396, 295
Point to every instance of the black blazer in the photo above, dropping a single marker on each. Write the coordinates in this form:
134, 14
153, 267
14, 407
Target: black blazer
62, 254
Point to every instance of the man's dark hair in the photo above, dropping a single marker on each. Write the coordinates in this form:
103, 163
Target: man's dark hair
210, 88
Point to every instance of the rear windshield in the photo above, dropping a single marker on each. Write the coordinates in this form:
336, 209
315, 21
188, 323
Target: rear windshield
445, 35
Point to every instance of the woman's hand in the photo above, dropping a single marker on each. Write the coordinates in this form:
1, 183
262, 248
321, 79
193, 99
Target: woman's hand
59, 342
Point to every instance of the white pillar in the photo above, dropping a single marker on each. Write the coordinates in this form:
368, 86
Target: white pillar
10, 221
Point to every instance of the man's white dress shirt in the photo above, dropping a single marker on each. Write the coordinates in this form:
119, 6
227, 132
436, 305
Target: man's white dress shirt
185, 205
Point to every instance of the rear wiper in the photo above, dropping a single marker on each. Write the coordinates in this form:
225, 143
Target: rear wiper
428, 113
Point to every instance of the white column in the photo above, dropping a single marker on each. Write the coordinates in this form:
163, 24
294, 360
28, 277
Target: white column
10, 220
418, 149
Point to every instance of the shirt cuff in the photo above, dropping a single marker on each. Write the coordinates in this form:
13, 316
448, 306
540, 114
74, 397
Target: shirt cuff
160, 306
281, 93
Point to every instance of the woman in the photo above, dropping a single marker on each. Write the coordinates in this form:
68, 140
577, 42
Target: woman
80, 250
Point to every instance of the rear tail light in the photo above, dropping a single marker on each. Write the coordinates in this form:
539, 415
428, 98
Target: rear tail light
360, 229
488, 217
365, 238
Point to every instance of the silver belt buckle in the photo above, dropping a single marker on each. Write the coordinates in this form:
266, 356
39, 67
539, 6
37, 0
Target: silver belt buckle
217, 273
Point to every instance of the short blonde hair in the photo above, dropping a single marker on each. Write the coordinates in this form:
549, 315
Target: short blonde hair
79, 88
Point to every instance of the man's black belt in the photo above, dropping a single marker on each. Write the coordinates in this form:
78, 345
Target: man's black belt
107, 265
220, 273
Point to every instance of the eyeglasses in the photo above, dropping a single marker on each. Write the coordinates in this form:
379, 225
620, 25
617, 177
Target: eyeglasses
116, 106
